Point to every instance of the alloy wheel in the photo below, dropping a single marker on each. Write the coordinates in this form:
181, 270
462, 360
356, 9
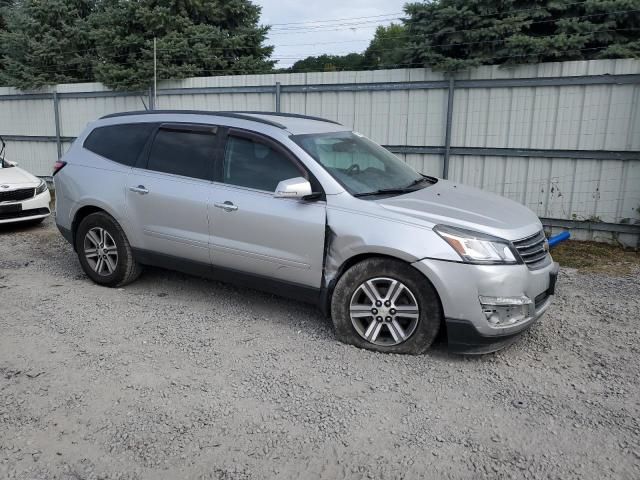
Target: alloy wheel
101, 251
384, 311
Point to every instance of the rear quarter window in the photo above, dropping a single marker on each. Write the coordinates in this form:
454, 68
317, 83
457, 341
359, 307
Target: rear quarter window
121, 143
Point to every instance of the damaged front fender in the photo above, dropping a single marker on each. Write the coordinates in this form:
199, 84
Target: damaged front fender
352, 236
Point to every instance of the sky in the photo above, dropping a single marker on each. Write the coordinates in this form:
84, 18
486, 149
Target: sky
302, 28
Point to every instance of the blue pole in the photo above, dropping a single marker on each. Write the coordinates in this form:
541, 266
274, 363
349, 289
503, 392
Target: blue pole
561, 237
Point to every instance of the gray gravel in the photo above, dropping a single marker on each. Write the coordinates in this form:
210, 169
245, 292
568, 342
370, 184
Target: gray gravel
179, 377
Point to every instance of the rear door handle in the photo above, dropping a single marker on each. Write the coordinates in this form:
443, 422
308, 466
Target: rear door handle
139, 189
226, 206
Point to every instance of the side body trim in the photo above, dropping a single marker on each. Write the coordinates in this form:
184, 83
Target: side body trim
258, 282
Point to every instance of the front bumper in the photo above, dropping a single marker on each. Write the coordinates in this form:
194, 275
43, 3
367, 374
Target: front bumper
30, 209
460, 286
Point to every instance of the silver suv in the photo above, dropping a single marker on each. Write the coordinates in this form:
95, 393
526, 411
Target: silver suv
303, 207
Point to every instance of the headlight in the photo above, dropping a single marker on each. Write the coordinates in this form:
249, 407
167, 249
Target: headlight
475, 247
42, 187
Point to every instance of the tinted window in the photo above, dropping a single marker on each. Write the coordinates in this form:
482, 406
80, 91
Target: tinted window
182, 152
256, 165
120, 143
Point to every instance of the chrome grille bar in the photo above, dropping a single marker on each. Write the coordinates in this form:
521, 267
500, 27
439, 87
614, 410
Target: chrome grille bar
532, 249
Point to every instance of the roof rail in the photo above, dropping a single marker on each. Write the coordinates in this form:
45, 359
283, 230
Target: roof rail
239, 115
291, 115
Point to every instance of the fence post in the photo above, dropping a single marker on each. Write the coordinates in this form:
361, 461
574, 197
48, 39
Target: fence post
152, 103
447, 135
56, 118
278, 97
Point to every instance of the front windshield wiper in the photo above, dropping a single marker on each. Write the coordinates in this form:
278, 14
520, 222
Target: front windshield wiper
384, 191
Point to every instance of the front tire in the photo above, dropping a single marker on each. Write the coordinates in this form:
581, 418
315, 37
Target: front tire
104, 251
387, 306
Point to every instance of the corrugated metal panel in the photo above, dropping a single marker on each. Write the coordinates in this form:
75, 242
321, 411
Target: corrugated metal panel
30, 117
76, 113
591, 117
595, 190
35, 157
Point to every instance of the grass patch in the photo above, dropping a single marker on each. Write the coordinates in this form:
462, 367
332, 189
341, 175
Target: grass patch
596, 257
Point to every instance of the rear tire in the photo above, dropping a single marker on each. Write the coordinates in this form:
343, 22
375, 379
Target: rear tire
387, 306
104, 251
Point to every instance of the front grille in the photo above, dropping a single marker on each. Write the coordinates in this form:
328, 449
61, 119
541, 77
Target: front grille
24, 213
532, 250
17, 195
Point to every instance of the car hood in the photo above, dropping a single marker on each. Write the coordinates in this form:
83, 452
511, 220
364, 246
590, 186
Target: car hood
449, 203
16, 177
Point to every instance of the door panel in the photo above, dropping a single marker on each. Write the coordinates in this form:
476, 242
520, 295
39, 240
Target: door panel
168, 193
253, 232
172, 217
276, 237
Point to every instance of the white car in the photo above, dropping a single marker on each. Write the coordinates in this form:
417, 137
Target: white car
23, 197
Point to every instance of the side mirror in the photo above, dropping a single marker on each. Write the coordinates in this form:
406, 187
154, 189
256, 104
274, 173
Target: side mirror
293, 188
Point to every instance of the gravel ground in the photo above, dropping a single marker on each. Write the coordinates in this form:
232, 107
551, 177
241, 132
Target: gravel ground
179, 377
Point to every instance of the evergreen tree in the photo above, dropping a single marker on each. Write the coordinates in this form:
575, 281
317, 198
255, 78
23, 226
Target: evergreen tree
455, 34
4, 4
194, 38
388, 48
45, 42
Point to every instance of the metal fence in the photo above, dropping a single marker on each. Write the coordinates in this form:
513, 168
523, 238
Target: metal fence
561, 138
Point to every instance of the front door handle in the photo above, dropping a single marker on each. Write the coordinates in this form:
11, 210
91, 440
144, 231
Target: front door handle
226, 206
139, 189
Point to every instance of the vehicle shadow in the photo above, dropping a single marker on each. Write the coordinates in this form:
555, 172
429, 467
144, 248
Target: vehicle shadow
22, 227
280, 311
184, 287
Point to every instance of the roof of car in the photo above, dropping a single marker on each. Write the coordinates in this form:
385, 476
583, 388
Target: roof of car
295, 124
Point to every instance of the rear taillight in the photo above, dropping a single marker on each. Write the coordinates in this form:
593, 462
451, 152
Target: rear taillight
58, 166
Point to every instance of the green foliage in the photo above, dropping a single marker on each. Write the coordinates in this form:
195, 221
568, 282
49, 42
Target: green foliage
328, 63
388, 47
4, 4
194, 38
452, 35
45, 42
111, 41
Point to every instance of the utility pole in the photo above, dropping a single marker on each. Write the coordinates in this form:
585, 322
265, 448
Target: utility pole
155, 75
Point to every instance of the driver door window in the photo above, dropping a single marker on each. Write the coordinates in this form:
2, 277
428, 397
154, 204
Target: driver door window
251, 164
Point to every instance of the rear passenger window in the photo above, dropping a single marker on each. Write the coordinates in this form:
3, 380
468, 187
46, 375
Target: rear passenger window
183, 152
120, 143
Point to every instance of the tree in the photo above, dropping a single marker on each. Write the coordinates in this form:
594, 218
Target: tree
329, 63
45, 42
456, 34
194, 38
4, 4
388, 48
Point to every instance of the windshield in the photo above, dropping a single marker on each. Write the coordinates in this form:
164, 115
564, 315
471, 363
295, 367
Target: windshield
363, 167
